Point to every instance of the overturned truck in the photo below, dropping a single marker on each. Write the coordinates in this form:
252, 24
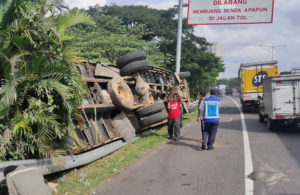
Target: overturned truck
125, 100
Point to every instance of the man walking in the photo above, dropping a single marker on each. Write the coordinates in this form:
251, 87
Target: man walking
211, 115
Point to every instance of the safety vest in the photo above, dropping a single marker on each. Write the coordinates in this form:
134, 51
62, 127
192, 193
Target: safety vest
211, 109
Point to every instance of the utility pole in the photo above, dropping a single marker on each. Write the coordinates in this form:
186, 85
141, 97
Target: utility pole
272, 47
179, 32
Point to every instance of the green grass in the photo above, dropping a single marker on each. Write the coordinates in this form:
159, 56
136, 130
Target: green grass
3, 189
83, 180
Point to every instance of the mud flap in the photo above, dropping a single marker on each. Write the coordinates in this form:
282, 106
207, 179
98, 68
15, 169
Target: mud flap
124, 127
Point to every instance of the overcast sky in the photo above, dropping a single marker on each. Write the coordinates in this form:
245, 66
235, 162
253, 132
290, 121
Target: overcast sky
240, 42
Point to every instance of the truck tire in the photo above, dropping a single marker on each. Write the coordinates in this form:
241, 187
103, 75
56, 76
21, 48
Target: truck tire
184, 74
120, 93
150, 109
133, 67
271, 124
244, 108
155, 118
130, 57
261, 118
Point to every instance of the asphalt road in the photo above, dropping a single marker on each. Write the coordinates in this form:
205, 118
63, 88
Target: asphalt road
183, 168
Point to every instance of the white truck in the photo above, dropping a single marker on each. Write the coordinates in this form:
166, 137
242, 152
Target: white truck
280, 103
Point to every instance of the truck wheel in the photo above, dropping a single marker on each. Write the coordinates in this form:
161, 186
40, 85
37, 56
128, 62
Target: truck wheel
244, 108
133, 67
261, 118
150, 109
271, 124
155, 118
184, 74
130, 57
120, 93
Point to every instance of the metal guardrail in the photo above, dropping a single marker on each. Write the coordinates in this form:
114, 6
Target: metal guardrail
194, 103
48, 166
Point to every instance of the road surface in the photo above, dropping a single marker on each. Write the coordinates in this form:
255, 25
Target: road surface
273, 159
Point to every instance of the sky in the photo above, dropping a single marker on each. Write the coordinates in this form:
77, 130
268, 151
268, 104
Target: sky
240, 42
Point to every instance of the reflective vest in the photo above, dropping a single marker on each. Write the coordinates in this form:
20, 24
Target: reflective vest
211, 109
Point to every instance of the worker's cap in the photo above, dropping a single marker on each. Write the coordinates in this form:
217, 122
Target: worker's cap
213, 91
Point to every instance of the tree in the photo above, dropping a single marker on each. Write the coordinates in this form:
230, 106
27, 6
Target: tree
161, 25
41, 83
156, 22
231, 82
285, 72
109, 39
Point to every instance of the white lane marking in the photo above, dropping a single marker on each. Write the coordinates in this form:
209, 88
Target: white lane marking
249, 184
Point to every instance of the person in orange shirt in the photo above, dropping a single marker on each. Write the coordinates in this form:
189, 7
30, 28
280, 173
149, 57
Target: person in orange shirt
174, 116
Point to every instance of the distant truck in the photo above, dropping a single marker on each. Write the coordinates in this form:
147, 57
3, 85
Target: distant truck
251, 76
280, 103
221, 89
228, 90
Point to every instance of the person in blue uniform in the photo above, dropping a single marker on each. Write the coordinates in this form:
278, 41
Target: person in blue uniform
210, 108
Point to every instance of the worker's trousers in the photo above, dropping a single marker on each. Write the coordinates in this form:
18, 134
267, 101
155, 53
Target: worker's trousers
174, 127
209, 133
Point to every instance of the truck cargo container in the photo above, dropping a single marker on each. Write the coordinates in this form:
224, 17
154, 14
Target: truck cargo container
251, 76
280, 103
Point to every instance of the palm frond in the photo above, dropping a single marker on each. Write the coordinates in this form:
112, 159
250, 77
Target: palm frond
4, 110
8, 93
50, 85
46, 122
71, 55
15, 60
22, 125
42, 84
10, 13
70, 19
4, 4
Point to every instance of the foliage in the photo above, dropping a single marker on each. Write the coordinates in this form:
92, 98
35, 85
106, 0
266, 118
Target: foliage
109, 40
285, 72
231, 82
3, 6
41, 85
157, 23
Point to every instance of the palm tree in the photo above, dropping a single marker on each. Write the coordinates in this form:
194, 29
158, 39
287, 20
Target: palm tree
3, 5
41, 85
